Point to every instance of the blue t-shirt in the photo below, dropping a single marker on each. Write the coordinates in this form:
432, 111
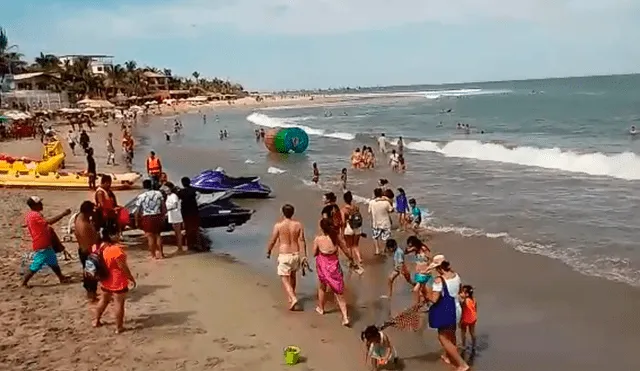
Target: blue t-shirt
401, 203
398, 257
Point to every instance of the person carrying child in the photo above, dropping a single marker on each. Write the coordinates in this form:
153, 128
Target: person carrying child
379, 351
469, 316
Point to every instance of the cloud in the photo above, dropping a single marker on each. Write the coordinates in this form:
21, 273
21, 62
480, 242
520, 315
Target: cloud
190, 18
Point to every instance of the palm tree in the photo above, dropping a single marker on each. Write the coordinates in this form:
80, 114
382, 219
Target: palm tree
10, 60
46, 63
131, 66
80, 80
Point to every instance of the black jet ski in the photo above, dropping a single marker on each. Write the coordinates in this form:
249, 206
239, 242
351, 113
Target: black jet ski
216, 210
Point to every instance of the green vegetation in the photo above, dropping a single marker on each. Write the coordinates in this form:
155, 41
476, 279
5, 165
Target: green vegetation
118, 80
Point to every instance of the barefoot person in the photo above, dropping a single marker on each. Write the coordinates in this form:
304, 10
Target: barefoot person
106, 202
174, 214
150, 217
352, 226
86, 235
116, 285
42, 240
289, 234
190, 215
42, 236
325, 250
380, 209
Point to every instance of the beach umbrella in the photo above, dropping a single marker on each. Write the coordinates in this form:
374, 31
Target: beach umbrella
151, 103
88, 109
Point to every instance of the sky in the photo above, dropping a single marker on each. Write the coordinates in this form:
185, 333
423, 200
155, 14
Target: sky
295, 44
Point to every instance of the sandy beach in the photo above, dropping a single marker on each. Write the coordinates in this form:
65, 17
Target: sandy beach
195, 312
224, 310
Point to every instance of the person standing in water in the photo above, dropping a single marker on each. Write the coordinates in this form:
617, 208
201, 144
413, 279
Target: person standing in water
225, 133
204, 119
316, 173
111, 150
400, 146
289, 234
221, 135
343, 178
382, 143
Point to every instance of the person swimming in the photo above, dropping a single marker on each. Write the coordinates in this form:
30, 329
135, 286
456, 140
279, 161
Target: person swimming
633, 130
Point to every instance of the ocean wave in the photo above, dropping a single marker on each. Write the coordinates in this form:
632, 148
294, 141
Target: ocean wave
275, 170
261, 119
624, 165
430, 94
607, 267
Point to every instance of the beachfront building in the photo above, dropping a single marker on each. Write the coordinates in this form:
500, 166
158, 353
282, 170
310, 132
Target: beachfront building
99, 63
33, 91
156, 81
35, 81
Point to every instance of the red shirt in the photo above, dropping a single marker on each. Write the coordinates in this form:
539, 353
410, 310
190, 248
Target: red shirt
39, 230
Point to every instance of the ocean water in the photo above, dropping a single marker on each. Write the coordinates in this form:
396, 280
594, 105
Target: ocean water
555, 171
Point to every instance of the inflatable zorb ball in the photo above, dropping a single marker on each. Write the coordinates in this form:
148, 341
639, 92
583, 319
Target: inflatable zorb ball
286, 140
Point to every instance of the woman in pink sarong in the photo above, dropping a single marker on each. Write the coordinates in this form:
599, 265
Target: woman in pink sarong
325, 250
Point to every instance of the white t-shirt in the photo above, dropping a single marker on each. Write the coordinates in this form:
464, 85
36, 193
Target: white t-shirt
380, 210
394, 158
173, 209
382, 142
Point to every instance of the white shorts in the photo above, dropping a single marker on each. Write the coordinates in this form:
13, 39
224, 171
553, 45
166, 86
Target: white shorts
288, 263
348, 231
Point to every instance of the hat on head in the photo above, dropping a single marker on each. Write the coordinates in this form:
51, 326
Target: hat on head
34, 200
436, 261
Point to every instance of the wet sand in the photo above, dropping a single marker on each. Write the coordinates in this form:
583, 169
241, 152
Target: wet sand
192, 312
535, 313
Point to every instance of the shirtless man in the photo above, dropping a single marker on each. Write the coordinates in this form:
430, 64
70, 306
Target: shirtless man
290, 235
87, 236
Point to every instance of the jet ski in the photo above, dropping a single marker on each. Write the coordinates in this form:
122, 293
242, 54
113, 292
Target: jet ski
218, 181
216, 210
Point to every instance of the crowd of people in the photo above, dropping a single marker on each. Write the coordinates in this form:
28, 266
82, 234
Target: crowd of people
433, 283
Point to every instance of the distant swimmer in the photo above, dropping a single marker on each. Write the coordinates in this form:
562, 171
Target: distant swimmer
632, 130
345, 113
204, 119
221, 135
167, 136
225, 133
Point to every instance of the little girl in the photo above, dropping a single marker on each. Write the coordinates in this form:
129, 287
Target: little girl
402, 208
316, 173
378, 349
469, 316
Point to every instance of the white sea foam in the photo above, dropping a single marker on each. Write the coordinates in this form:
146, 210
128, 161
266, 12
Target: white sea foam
275, 170
249, 161
607, 267
261, 119
429, 94
622, 165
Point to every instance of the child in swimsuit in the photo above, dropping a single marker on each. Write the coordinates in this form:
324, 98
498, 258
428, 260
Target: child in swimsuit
379, 351
399, 265
416, 214
422, 276
469, 316
343, 178
316, 173
402, 208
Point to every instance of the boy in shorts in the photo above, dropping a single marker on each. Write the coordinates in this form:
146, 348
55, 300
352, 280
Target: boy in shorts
399, 265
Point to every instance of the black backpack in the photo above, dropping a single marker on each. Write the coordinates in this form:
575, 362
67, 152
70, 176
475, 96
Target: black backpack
355, 219
95, 267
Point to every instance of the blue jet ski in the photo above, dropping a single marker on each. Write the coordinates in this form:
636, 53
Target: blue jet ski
216, 211
218, 181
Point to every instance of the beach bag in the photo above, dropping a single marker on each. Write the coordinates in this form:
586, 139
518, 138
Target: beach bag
95, 267
442, 314
355, 220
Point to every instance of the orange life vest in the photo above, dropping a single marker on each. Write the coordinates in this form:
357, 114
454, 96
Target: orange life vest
153, 165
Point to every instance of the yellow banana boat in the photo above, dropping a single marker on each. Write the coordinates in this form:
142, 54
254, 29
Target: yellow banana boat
51, 164
60, 180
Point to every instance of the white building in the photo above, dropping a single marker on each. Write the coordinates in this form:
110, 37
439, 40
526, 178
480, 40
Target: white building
99, 63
